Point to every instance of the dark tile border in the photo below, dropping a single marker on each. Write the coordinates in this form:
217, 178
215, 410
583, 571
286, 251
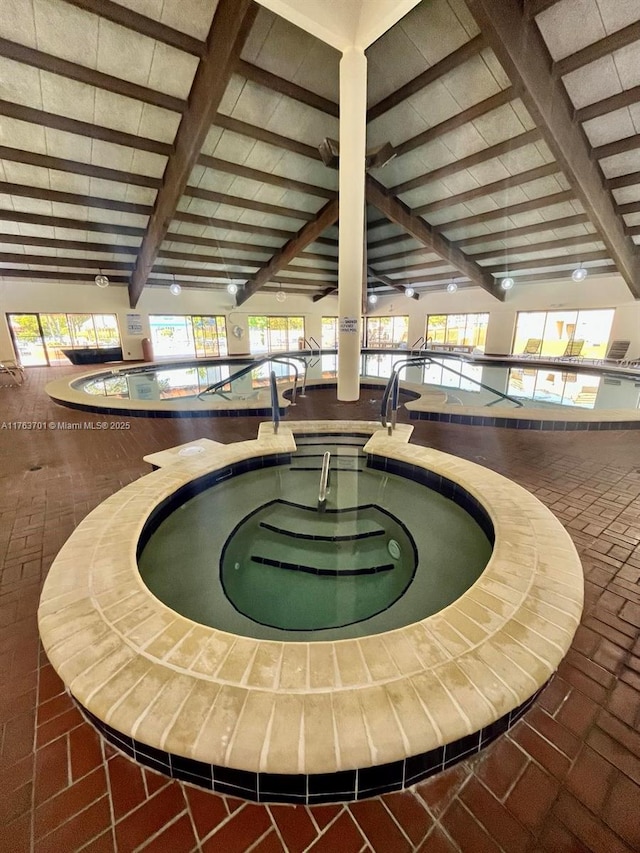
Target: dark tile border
315, 788
521, 423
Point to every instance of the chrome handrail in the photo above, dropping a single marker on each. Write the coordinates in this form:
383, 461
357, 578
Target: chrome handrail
324, 481
275, 406
212, 389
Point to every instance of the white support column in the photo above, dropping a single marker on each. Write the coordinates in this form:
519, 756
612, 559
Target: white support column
353, 132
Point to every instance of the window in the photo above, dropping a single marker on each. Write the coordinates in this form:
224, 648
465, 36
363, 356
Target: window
386, 331
557, 329
275, 334
42, 337
186, 335
457, 330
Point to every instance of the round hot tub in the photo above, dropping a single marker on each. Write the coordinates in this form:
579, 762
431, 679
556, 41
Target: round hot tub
302, 715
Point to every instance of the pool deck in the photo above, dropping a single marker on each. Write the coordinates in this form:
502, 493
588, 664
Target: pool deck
307, 708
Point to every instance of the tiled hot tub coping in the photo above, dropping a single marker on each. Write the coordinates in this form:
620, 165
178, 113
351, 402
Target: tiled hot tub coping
309, 709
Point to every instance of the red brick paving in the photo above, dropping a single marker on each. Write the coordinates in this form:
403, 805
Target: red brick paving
565, 780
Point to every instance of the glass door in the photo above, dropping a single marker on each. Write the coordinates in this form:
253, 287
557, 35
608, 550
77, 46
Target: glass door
28, 338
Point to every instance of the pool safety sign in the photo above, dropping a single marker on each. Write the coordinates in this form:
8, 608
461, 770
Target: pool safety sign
134, 324
349, 325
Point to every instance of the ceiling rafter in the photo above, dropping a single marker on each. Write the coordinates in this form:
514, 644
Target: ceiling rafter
88, 76
513, 144
68, 222
259, 176
326, 292
268, 136
75, 245
192, 240
629, 207
76, 167
492, 103
383, 279
608, 105
621, 181
234, 261
232, 21
523, 54
229, 225
125, 17
559, 260
516, 180
444, 66
10, 272
74, 198
547, 245
309, 233
398, 212
523, 207
596, 50
83, 128
247, 203
534, 7
286, 87
620, 146
55, 261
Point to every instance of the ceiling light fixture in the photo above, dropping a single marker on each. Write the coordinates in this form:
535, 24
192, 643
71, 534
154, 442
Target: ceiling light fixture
101, 280
452, 287
579, 274
281, 296
232, 289
507, 283
175, 288
373, 298
409, 291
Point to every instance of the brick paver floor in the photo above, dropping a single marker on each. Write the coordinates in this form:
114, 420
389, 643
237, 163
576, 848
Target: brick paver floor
565, 780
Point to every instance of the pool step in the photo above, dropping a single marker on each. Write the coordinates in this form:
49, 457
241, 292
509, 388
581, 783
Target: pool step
292, 519
333, 573
296, 534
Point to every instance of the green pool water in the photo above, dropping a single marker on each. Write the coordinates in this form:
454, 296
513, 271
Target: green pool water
254, 556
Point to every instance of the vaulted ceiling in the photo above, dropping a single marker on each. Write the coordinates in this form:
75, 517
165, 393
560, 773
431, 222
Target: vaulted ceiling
154, 140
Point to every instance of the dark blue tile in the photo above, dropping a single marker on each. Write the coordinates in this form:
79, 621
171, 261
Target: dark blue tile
384, 777
460, 748
342, 782
420, 766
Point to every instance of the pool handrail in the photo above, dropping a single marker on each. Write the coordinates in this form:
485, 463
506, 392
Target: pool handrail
212, 389
391, 394
275, 406
324, 480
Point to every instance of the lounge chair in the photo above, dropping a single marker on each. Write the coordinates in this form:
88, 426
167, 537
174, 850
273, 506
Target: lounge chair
11, 367
573, 350
616, 352
532, 347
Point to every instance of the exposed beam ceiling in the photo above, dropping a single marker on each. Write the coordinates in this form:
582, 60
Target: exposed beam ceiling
383, 279
399, 213
231, 25
286, 87
522, 52
326, 217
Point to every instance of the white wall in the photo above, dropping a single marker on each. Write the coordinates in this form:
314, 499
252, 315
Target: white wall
603, 292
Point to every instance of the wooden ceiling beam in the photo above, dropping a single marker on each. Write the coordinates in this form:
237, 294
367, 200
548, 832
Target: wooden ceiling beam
309, 233
302, 281
456, 121
596, 50
68, 222
238, 262
399, 213
83, 128
259, 176
513, 210
546, 246
192, 240
74, 198
620, 181
560, 260
620, 146
444, 66
268, 136
522, 52
516, 180
8, 272
608, 105
125, 17
74, 245
286, 87
88, 76
326, 292
629, 207
75, 167
55, 261
427, 265
248, 204
389, 282
527, 138
231, 24
228, 225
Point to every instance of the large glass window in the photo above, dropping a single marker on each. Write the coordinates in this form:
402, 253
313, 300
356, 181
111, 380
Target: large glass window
40, 338
386, 331
186, 335
553, 331
275, 334
457, 331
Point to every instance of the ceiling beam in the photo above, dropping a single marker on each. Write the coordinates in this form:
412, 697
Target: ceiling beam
9, 272
620, 181
559, 260
55, 261
399, 213
506, 147
231, 24
259, 176
607, 105
444, 66
596, 50
68, 222
513, 210
286, 87
43, 161
229, 225
487, 189
83, 128
383, 279
125, 17
620, 146
248, 203
283, 257
456, 121
268, 136
534, 7
74, 245
546, 246
326, 292
523, 54
74, 198
88, 76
